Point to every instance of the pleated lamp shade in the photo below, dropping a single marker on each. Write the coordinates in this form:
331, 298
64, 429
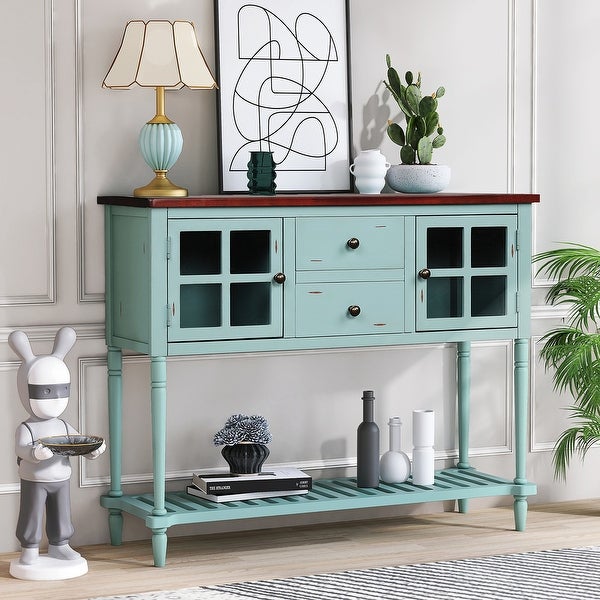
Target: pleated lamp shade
164, 55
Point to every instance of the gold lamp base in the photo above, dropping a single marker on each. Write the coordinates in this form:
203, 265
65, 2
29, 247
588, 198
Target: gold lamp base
160, 187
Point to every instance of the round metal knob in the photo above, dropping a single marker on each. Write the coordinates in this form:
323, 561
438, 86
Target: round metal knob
424, 273
279, 278
354, 310
353, 243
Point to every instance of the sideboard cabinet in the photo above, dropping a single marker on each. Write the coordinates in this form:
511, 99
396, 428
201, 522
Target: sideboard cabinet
220, 274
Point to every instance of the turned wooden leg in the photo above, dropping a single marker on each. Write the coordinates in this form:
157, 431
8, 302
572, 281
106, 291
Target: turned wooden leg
115, 438
521, 395
463, 375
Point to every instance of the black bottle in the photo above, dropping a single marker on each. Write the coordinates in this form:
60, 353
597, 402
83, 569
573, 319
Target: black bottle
367, 446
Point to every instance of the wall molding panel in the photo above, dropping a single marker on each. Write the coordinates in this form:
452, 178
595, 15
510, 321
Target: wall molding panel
89, 418
45, 259
84, 295
92, 409
14, 413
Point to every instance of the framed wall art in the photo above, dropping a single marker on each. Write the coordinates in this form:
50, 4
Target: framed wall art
283, 75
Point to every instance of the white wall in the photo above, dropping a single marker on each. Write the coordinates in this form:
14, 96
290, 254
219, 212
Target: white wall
519, 76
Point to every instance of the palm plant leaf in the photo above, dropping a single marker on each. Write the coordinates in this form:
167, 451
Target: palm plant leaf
567, 262
575, 357
577, 439
573, 351
582, 293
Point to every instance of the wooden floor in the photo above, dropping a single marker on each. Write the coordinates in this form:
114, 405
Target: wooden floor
214, 559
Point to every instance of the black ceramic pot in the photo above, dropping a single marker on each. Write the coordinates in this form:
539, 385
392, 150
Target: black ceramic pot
245, 458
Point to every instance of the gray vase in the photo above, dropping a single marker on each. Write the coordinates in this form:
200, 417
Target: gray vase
367, 446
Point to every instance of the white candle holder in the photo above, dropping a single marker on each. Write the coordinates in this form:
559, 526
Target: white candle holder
423, 467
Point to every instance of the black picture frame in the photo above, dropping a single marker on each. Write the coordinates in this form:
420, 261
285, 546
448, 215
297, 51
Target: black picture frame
283, 70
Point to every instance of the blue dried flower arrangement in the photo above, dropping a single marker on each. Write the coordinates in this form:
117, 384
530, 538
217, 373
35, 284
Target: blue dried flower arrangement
243, 428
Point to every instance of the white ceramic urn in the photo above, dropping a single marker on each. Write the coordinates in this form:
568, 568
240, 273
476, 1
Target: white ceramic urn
369, 170
394, 466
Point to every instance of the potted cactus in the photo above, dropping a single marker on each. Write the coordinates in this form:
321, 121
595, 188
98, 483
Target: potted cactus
244, 439
421, 136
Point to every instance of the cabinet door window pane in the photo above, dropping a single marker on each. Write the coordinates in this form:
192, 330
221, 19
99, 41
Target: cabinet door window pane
250, 252
444, 247
488, 247
200, 305
444, 297
250, 303
488, 296
200, 252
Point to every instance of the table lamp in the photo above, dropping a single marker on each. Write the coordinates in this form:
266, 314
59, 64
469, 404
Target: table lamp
164, 55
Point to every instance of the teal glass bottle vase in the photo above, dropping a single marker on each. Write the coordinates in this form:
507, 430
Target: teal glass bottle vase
261, 173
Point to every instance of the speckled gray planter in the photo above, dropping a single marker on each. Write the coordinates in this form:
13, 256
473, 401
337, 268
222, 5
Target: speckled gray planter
418, 179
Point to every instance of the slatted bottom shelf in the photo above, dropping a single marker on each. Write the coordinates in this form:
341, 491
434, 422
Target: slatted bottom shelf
326, 495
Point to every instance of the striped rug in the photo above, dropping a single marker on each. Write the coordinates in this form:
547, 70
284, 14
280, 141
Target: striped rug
572, 574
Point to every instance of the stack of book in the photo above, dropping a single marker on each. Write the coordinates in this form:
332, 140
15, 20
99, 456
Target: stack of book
225, 487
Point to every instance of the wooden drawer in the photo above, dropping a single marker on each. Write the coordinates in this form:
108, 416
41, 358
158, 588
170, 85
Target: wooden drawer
323, 309
327, 243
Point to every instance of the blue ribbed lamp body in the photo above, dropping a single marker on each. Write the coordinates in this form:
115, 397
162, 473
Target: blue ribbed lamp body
160, 145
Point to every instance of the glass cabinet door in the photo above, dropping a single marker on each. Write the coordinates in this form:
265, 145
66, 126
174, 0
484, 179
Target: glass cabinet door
466, 272
224, 279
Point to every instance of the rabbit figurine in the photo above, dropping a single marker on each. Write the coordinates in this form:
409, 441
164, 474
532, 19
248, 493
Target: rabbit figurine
43, 384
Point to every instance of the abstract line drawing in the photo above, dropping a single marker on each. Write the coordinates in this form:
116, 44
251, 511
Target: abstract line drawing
279, 87
287, 92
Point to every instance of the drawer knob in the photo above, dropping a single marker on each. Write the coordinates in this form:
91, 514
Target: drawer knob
353, 243
354, 310
424, 273
279, 278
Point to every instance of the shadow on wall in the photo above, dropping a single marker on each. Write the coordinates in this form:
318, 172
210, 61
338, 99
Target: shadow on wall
375, 116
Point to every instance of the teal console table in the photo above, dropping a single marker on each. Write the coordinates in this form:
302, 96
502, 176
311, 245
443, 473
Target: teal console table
220, 274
